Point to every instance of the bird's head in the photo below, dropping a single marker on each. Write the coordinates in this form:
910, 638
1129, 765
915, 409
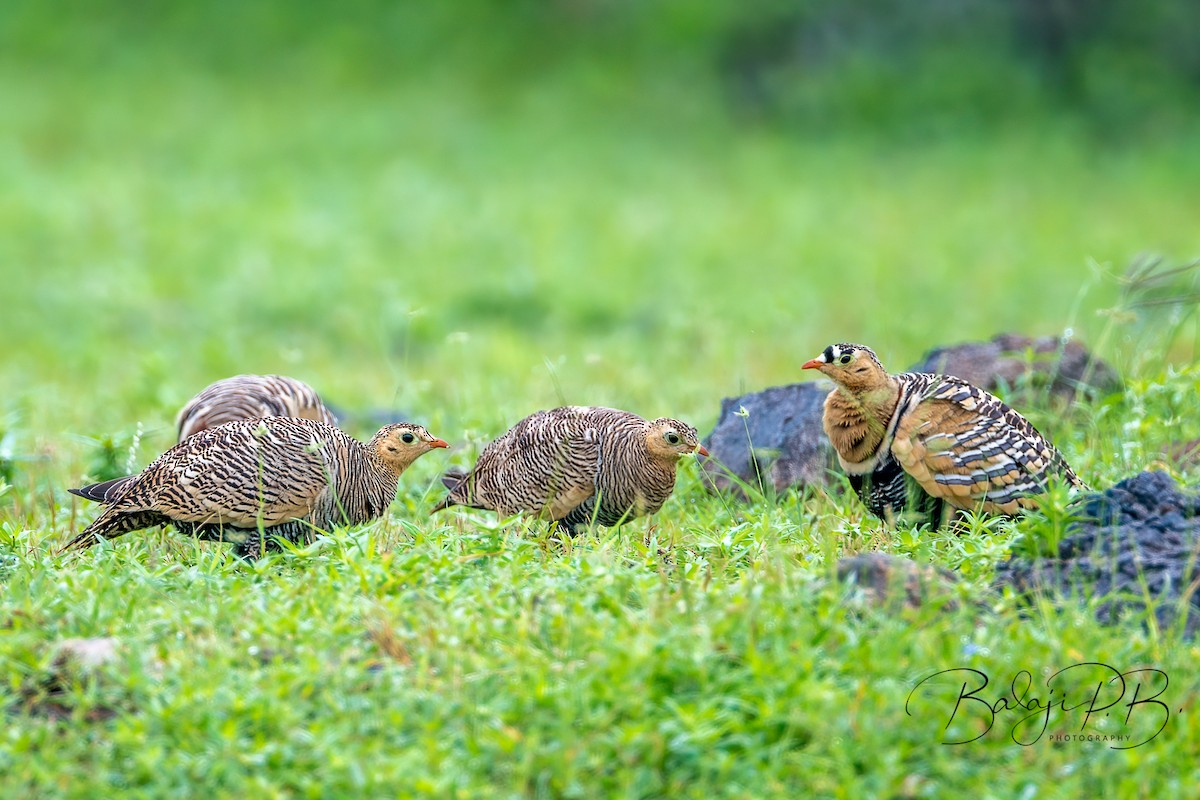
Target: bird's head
670, 439
854, 367
403, 443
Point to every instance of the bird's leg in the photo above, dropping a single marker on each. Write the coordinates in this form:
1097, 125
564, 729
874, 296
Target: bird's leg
651, 529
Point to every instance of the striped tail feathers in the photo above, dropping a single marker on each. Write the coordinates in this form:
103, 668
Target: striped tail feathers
110, 523
103, 492
113, 523
85, 539
1066, 472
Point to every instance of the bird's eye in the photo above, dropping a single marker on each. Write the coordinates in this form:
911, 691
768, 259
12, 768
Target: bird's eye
407, 438
845, 359
672, 437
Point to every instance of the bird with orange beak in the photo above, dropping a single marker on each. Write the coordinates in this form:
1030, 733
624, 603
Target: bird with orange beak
577, 466
254, 481
916, 441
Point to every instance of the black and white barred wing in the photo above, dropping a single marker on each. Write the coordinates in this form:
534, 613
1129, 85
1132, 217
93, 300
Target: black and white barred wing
967, 447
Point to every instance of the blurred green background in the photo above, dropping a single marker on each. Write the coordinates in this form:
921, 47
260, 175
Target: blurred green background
470, 210
462, 212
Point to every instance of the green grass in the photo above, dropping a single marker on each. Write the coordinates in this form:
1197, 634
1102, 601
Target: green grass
468, 252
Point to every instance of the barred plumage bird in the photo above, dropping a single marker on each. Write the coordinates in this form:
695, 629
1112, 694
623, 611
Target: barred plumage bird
251, 397
916, 439
577, 465
287, 477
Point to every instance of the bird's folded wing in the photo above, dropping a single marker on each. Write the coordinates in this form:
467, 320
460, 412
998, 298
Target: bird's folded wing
543, 467
244, 484
967, 447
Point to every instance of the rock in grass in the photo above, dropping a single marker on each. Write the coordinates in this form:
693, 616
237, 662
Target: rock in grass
1139, 538
84, 655
887, 579
1025, 366
73, 660
770, 440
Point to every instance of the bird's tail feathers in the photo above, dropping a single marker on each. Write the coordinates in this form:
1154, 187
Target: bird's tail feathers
454, 479
113, 523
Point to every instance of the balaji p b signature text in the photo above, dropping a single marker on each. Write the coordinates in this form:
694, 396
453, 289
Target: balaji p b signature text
1085, 702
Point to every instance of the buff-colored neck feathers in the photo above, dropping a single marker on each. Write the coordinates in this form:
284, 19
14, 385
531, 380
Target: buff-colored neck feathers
856, 425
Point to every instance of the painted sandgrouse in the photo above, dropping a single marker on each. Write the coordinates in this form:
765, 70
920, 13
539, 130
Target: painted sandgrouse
576, 466
251, 397
916, 441
249, 480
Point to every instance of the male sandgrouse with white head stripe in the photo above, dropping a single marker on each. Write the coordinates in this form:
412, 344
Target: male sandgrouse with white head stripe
250, 480
955, 442
251, 397
576, 466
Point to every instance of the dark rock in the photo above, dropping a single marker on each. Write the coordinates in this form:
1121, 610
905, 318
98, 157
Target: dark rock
1141, 536
779, 438
887, 579
1025, 367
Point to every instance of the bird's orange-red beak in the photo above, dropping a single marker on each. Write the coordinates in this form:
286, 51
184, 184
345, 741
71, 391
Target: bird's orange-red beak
701, 450
439, 443
813, 363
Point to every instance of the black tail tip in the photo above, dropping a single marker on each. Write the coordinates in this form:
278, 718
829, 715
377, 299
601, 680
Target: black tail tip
103, 491
453, 478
